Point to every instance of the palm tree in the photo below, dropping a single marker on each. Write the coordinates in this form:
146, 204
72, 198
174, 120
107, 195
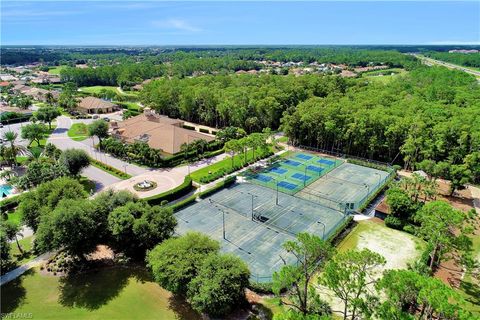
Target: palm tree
14, 149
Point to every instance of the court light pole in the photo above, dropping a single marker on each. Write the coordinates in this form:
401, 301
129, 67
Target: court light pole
223, 221
305, 176
323, 224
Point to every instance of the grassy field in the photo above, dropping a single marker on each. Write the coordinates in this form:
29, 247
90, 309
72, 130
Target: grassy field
98, 89
374, 75
27, 245
115, 293
56, 70
78, 132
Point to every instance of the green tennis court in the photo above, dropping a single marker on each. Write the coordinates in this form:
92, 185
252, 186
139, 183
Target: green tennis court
348, 183
257, 223
294, 173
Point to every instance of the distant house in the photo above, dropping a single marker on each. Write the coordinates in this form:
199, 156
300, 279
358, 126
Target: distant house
160, 132
38, 94
94, 105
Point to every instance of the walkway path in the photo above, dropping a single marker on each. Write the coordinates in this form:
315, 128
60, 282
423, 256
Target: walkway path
476, 197
9, 276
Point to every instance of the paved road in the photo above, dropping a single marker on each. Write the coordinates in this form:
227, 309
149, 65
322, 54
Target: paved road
431, 61
17, 128
61, 140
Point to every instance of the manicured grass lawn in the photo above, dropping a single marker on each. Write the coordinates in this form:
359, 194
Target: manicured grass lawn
223, 164
26, 244
78, 132
283, 139
114, 293
97, 89
130, 105
56, 70
109, 169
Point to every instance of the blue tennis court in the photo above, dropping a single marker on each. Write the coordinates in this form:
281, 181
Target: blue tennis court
304, 156
315, 169
327, 162
292, 163
287, 185
278, 170
300, 176
263, 178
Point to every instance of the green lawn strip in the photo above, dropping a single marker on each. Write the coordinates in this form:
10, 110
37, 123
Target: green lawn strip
78, 132
98, 89
56, 70
283, 139
111, 293
27, 245
224, 164
109, 169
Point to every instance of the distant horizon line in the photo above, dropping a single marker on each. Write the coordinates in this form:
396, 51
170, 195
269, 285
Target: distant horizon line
243, 45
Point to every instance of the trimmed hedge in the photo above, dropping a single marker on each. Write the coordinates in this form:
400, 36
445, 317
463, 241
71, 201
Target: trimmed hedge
228, 169
9, 203
182, 204
109, 169
222, 184
370, 165
173, 194
204, 130
185, 126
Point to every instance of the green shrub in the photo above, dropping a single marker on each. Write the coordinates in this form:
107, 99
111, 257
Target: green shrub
228, 181
182, 204
204, 130
173, 194
188, 127
9, 203
394, 223
113, 171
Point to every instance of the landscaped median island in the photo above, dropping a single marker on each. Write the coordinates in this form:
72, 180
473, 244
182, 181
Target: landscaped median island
78, 132
109, 169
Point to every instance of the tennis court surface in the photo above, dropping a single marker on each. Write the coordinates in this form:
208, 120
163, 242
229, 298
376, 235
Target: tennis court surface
292, 174
347, 183
258, 240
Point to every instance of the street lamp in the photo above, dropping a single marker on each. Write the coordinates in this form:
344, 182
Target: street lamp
323, 224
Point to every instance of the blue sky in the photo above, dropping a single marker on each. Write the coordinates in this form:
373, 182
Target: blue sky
247, 22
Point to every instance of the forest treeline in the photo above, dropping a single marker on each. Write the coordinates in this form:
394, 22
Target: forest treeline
429, 113
462, 59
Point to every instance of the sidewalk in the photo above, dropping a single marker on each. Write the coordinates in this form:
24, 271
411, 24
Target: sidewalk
15, 273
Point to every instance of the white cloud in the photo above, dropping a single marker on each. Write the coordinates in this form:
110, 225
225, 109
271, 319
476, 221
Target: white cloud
176, 24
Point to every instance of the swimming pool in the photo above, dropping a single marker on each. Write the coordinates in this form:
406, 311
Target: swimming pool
5, 190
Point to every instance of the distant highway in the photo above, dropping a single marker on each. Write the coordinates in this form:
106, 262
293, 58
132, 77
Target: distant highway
430, 61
